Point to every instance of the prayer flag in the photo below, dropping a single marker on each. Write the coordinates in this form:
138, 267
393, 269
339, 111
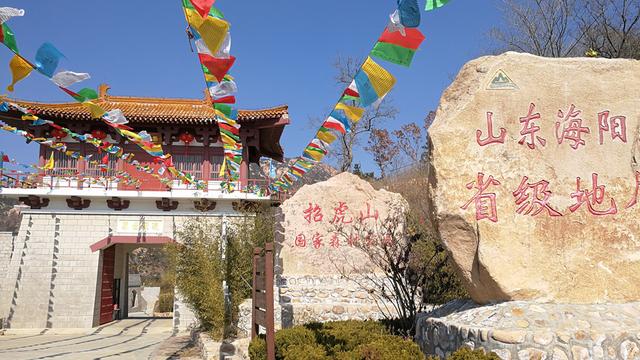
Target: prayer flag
217, 67
212, 12
50, 164
8, 38
203, 6
213, 31
223, 89
409, 13
394, 22
20, 69
435, 4
47, 59
7, 13
115, 117
396, 48
373, 82
67, 78
88, 94
326, 135
354, 113
96, 111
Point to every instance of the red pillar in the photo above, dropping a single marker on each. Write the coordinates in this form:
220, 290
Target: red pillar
244, 166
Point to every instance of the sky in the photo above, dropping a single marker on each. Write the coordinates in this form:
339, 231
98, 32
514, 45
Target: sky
285, 52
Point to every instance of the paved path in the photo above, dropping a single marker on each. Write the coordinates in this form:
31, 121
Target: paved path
126, 339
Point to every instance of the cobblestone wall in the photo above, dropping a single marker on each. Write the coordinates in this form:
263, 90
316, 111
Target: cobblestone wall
522, 330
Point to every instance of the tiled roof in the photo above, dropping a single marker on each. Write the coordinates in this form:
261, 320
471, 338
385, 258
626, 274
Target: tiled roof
143, 110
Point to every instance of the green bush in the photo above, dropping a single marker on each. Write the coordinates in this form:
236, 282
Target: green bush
343, 340
386, 347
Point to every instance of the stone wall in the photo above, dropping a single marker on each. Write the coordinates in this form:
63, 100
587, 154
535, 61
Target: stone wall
50, 277
526, 330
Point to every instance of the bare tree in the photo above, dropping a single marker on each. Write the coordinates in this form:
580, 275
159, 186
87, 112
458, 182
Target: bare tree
383, 149
373, 117
612, 28
561, 28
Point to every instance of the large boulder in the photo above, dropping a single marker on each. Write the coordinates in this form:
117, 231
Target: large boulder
535, 178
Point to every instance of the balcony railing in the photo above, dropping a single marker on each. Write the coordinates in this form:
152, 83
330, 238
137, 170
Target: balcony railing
57, 182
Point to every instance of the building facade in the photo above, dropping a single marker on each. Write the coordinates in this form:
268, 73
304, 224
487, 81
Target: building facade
66, 267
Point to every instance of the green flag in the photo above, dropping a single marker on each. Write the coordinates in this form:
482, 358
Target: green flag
8, 38
435, 4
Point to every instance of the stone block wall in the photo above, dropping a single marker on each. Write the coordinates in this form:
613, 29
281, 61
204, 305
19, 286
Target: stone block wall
527, 331
49, 277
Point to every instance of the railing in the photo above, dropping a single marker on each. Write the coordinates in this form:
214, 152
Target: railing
49, 181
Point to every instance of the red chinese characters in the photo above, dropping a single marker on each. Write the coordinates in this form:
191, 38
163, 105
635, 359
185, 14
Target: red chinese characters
313, 213
617, 125
334, 242
569, 127
316, 241
490, 139
369, 215
340, 213
529, 129
532, 199
592, 198
485, 203
301, 241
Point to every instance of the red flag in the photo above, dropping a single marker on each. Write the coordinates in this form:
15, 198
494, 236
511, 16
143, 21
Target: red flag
412, 40
217, 67
225, 100
5, 158
105, 160
203, 6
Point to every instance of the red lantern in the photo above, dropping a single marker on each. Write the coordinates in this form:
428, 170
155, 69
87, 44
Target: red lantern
58, 134
99, 134
187, 139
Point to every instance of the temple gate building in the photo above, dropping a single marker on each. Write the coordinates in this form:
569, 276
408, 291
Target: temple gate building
66, 267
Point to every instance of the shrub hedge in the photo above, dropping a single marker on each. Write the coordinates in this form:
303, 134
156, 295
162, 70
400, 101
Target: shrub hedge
341, 340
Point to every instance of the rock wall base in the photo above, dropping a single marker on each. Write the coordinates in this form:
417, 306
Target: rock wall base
528, 330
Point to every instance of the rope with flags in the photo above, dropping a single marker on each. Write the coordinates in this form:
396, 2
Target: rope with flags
210, 32
398, 44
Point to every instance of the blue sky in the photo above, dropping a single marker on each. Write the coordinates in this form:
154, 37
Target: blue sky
284, 48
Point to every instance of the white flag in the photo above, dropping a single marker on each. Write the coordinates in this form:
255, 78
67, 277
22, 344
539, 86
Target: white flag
67, 78
7, 13
395, 24
202, 48
225, 88
116, 116
225, 49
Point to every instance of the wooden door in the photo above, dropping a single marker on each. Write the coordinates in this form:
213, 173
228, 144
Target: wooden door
106, 287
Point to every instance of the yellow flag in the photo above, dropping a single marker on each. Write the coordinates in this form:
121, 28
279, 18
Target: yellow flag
326, 136
381, 80
29, 117
212, 30
354, 113
96, 111
20, 70
50, 163
223, 168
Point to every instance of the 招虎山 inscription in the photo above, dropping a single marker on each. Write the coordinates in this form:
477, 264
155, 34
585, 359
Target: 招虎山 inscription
535, 186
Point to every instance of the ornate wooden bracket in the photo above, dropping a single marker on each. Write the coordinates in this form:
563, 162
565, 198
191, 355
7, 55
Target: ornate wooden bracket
204, 205
76, 203
35, 202
246, 206
118, 204
166, 204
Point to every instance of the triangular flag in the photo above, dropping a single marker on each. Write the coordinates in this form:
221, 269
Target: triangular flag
217, 67
67, 78
7, 13
8, 38
20, 69
47, 59
50, 165
213, 31
96, 111
203, 6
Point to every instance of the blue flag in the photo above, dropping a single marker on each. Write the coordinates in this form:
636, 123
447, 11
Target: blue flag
409, 13
47, 59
